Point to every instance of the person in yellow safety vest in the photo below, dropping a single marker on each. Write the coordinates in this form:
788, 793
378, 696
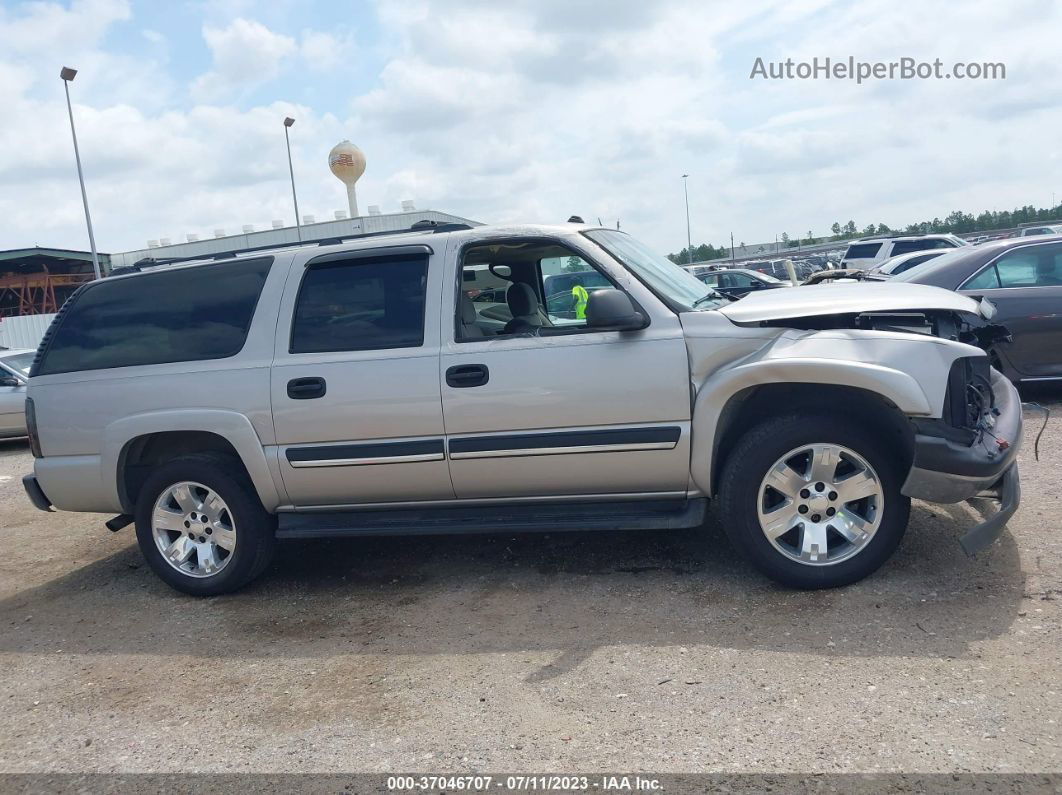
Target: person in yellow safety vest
581, 297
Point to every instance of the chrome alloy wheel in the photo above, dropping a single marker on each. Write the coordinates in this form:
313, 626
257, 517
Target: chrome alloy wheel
193, 529
820, 504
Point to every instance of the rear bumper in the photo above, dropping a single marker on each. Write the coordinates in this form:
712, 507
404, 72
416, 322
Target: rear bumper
948, 472
36, 493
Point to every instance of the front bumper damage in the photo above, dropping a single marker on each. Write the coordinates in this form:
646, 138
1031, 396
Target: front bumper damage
947, 471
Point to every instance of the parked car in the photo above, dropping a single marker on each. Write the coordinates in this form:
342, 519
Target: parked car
868, 252
14, 373
1033, 231
357, 389
739, 282
1022, 277
894, 266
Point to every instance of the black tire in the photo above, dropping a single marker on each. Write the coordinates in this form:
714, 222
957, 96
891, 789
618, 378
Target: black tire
749, 461
255, 527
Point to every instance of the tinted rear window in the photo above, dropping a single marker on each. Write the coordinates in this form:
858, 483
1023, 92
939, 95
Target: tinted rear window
179, 315
360, 305
907, 246
863, 251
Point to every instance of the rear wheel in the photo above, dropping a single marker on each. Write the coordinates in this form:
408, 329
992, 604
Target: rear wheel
813, 501
201, 526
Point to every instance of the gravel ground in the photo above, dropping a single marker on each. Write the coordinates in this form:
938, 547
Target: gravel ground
613, 652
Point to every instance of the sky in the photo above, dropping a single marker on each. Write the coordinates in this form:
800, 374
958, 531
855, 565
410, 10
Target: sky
519, 111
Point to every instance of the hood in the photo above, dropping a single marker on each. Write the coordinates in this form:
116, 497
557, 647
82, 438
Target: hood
841, 299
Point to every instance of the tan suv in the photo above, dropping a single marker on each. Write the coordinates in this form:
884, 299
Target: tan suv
388, 385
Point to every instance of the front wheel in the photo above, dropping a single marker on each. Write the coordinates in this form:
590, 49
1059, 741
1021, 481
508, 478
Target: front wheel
201, 526
813, 501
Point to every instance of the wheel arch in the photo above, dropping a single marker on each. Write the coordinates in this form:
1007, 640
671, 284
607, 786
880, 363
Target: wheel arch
730, 403
136, 444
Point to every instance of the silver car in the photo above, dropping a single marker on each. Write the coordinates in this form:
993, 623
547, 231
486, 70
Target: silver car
14, 374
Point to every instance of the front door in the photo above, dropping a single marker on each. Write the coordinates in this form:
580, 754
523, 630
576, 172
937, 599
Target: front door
542, 406
1026, 287
355, 381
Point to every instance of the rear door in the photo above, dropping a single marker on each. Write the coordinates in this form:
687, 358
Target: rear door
1025, 284
355, 381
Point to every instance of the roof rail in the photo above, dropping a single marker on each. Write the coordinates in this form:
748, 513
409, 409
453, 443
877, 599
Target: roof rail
332, 241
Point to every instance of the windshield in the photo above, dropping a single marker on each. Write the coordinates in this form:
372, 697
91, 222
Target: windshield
20, 363
674, 284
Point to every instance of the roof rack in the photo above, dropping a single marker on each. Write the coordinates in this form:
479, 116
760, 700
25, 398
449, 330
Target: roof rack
433, 227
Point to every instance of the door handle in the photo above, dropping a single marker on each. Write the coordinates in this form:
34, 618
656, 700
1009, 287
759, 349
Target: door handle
306, 388
466, 375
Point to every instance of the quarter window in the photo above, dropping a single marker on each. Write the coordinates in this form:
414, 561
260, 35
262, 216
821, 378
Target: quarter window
358, 305
168, 315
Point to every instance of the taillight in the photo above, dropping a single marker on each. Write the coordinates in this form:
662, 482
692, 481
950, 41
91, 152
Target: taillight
31, 429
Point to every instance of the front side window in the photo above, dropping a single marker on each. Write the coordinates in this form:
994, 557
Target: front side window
167, 315
358, 305
1039, 266
524, 287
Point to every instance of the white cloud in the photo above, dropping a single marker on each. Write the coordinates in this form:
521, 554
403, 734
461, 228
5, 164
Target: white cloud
324, 51
531, 110
245, 53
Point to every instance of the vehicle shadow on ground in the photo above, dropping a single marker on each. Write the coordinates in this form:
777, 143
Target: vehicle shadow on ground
13, 447
569, 593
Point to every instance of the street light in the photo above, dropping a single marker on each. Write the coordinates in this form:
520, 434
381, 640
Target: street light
288, 121
67, 74
689, 239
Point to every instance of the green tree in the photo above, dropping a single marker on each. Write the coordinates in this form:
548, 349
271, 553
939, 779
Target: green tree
836, 229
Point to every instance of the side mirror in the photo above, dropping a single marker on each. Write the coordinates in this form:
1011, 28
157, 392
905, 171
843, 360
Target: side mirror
613, 310
9, 380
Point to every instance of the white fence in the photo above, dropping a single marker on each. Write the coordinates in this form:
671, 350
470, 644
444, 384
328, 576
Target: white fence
23, 332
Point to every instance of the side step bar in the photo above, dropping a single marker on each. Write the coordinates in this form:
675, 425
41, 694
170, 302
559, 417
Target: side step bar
526, 518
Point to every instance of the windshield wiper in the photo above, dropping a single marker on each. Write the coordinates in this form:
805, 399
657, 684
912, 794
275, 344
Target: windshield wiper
712, 295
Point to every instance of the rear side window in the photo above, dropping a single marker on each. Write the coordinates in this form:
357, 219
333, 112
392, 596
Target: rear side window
359, 305
907, 246
863, 251
178, 315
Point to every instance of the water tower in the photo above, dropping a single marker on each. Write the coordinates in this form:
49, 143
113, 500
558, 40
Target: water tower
348, 164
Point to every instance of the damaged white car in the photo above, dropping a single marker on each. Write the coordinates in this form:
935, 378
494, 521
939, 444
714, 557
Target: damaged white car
511, 379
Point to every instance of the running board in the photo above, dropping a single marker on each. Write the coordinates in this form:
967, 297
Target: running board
511, 518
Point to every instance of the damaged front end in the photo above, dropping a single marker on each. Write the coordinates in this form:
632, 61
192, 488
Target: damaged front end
965, 450
970, 452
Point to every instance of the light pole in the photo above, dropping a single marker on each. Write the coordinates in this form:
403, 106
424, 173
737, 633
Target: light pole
689, 238
67, 74
288, 121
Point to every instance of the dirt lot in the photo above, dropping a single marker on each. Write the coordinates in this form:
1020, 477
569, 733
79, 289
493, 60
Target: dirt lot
610, 652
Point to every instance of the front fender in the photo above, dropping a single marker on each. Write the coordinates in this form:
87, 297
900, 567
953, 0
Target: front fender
906, 370
230, 425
